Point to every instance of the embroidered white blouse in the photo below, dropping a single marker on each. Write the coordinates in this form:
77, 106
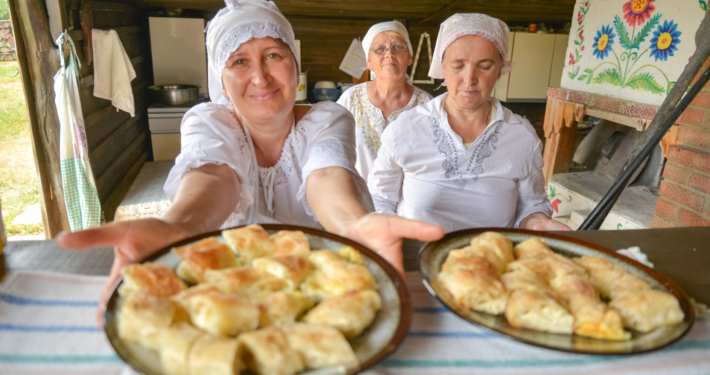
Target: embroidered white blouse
370, 122
423, 171
323, 138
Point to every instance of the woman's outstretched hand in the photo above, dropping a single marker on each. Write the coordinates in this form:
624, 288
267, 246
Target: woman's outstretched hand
541, 222
133, 241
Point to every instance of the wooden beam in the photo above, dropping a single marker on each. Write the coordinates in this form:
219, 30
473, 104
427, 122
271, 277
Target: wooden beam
102, 6
58, 19
637, 123
443, 10
561, 118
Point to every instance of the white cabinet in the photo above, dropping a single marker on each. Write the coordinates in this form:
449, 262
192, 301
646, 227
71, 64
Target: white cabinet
539, 60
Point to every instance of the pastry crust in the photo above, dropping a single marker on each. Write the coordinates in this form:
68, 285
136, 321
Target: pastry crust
474, 290
249, 242
602, 273
536, 265
539, 311
292, 268
462, 259
282, 308
207, 254
288, 242
488, 254
647, 310
523, 280
247, 282
144, 317
158, 279
497, 242
221, 314
573, 286
337, 277
592, 318
350, 313
175, 345
268, 352
320, 346
531, 248
215, 356
626, 285
322, 257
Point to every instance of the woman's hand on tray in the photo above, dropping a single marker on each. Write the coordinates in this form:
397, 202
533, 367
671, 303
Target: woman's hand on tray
541, 222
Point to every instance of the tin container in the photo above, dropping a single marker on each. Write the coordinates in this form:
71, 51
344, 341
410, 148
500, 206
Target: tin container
174, 95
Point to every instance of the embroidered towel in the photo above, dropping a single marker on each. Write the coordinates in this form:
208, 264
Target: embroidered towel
113, 71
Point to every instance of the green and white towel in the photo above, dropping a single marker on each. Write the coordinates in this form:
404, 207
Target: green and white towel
80, 196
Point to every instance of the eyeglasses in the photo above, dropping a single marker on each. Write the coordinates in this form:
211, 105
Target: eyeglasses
395, 48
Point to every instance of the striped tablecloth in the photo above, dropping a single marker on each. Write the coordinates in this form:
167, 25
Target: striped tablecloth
47, 326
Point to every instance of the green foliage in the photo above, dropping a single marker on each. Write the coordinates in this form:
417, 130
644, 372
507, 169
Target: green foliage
645, 81
623, 34
646, 30
4, 10
610, 75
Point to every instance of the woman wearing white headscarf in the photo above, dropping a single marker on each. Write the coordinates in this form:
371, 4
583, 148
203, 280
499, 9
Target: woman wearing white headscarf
463, 160
375, 104
252, 155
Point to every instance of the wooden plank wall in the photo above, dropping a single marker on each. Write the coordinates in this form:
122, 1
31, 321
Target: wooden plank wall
118, 143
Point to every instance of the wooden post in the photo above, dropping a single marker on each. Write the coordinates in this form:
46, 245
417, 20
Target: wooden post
561, 118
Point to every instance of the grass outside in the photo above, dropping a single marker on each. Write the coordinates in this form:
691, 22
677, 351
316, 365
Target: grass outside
18, 176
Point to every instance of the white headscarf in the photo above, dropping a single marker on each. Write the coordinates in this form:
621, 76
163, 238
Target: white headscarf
239, 22
477, 24
384, 26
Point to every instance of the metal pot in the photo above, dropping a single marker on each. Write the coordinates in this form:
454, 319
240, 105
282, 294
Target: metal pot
174, 95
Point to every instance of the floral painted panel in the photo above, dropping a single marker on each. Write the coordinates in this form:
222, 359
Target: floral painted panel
631, 49
7, 42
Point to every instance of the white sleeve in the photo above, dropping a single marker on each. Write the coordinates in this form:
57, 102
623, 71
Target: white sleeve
329, 142
206, 139
532, 197
385, 180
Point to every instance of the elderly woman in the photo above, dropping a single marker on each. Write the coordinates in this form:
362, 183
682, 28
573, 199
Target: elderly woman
463, 160
377, 103
252, 155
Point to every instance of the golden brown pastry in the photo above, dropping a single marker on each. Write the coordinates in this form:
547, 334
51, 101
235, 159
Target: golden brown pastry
462, 259
501, 244
292, 268
539, 311
561, 265
221, 314
531, 248
488, 254
337, 277
282, 308
144, 317
247, 282
175, 345
351, 255
593, 318
212, 355
647, 310
602, 273
572, 286
267, 352
156, 278
523, 280
626, 285
350, 313
536, 265
474, 290
249, 242
288, 242
320, 346
207, 254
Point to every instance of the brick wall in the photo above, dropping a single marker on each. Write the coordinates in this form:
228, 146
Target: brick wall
685, 189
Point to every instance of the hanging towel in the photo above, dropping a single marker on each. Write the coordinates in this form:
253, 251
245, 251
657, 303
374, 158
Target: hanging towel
113, 71
82, 201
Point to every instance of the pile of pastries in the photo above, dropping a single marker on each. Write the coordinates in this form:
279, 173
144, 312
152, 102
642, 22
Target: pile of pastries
260, 303
539, 289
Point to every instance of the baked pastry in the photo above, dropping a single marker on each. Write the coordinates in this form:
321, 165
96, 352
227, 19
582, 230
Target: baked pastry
267, 352
333, 278
571, 286
215, 356
207, 254
602, 273
247, 282
292, 268
474, 290
523, 280
221, 314
536, 265
288, 242
462, 259
143, 317
282, 308
249, 242
320, 346
321, 257
175, 345
488, 254
156, 278
593, 318
497, 242
531, 248
350, 313
647, 310
539, 311
626, 285
561, 265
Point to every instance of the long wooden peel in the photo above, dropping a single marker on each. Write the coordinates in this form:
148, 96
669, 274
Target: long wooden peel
664, 119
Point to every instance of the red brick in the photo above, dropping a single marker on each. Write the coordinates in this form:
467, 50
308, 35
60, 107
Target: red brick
676, 173
692, 116
659, 222
702, 100
692, 219
682, 195
694, 136
699, 182
696, 159
667, 209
